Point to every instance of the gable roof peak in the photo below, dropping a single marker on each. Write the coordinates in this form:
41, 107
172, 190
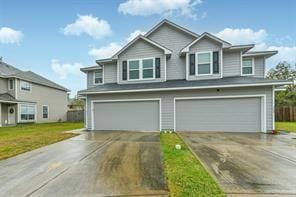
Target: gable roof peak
168, 22
166, 50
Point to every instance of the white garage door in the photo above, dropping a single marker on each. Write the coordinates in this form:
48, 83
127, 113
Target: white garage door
127, 115
223, 114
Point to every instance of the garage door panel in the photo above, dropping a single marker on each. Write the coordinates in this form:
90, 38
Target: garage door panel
234, 115
127, 115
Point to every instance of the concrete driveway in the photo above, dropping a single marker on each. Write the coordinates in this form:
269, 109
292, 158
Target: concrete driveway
247, 164
92, 164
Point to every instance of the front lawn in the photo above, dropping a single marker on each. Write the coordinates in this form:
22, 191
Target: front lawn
185, 174
25, 137
286, 126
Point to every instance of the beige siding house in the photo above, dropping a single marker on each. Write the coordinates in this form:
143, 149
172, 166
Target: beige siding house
28, 97
174, 79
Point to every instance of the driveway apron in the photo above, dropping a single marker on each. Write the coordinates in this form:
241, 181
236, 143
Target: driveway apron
103, 163
248, 164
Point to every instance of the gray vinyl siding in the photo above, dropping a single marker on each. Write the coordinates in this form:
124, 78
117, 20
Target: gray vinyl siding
142, 49
110, 73
55, 99
90, 79
3, 85
167, 100
175, 40
205, 45
259, 67
130, 115
4, 113
231, 64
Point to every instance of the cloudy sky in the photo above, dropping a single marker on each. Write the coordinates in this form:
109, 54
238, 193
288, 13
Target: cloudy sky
55, 38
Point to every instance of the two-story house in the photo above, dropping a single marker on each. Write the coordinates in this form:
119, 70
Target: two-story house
28, 97
172, 78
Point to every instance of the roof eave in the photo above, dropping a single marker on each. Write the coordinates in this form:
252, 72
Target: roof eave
186, 88
266, 54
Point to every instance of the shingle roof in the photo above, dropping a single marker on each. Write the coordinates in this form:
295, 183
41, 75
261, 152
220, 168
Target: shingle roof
7, 70
6, 97
183, 84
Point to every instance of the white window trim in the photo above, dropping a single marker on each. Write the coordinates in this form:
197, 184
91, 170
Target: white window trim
19, 113
47, 111
211, 63
94, 76
253, 66
125, 100
12, 84
261, 96
26, 82
141, 69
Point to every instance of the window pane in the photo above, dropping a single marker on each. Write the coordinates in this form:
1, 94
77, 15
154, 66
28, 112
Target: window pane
247, 63
27, 112
148, 63
26, 86
99, 76
134, 74
98, 73
98, 80
148, 73
10, 84
204, 69
247, 70
204, 58
134, 64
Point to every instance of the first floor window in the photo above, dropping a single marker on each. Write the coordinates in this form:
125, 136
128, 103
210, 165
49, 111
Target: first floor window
247, 66
134, 69
45, 111
141, 69
204, 63
25, 86
27, 112
98, 75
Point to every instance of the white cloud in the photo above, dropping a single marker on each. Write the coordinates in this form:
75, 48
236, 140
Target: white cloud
262, 41
92, 26
135, 34
105, 51
242, 36
64, 70
161, 7
110, 49
10, 36
284, 54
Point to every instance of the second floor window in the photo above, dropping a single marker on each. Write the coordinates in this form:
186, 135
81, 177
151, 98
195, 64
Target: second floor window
98, 76
204, 63
141, 69
10, 84
26, 86
248, 66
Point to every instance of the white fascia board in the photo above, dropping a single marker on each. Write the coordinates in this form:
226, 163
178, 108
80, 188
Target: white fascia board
189, 88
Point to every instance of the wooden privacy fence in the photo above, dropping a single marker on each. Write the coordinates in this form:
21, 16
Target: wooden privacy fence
75, 116
285, 113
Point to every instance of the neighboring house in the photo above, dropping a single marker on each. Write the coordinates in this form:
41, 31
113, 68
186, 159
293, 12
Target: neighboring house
28, 97
172, 78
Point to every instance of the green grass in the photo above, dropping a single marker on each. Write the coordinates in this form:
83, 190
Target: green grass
25, 137
185, 174
286, 126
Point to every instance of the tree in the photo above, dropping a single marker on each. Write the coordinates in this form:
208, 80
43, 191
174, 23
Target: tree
284, 71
